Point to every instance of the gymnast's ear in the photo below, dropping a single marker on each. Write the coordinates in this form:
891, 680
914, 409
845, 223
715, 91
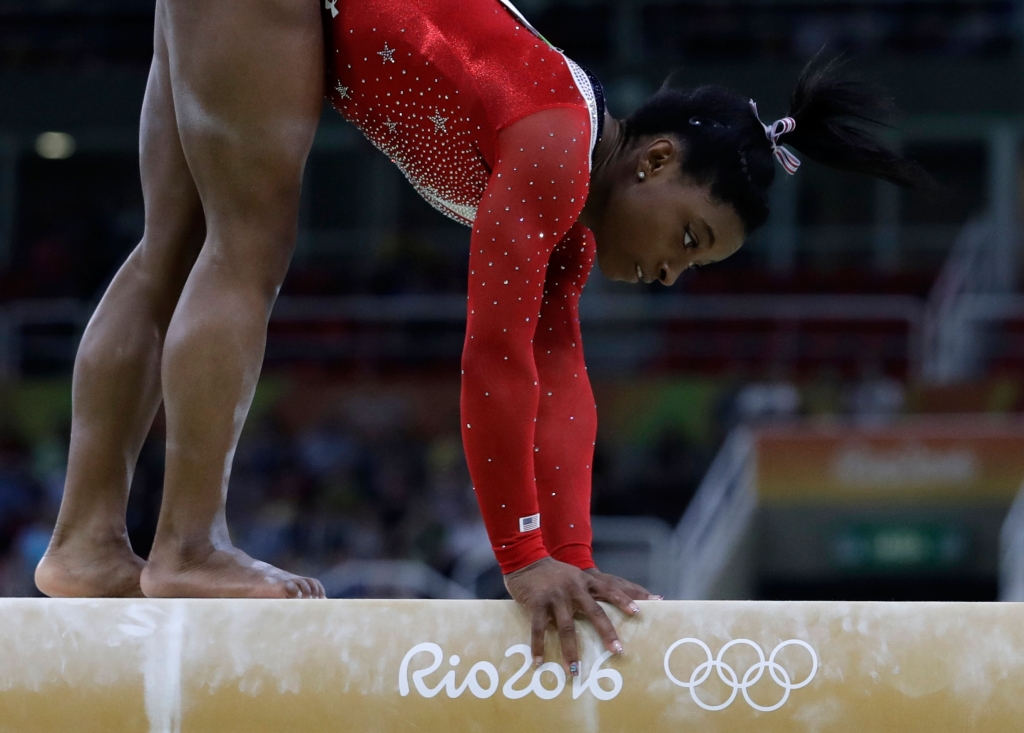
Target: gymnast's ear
659, 155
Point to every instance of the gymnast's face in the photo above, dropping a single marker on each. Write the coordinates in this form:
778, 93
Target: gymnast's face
657, 227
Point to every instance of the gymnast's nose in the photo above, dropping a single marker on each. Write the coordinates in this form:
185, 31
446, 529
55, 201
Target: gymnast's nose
668, 273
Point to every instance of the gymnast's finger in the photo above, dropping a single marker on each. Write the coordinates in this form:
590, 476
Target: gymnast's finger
616, 596
636, 592
303, 584
566, 625
318, 588
602, 624
538, 625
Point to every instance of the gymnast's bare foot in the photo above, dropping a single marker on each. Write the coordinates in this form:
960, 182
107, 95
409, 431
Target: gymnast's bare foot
223, 571
81, 564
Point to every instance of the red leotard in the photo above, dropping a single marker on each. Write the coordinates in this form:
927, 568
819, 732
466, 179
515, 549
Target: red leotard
495, 128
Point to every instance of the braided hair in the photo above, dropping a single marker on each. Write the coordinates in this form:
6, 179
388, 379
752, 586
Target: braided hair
727, 149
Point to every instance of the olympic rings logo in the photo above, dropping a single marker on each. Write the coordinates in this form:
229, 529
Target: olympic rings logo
750, 678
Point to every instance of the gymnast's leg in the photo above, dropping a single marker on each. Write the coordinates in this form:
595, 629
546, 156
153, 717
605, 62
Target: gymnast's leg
117, 370
247, 77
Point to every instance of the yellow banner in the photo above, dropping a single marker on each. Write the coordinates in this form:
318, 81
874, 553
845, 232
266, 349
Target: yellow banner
954, 460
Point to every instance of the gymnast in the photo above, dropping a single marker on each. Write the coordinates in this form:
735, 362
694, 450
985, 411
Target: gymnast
498, 130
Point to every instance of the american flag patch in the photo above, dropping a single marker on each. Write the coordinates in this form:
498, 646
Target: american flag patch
528, 524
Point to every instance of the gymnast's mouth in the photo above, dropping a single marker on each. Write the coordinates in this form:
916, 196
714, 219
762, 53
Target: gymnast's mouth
640, 275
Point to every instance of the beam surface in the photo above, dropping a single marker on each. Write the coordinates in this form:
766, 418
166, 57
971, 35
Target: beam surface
452, 666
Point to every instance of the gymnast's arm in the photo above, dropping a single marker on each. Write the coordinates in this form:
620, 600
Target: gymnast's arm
536, 192
567, 415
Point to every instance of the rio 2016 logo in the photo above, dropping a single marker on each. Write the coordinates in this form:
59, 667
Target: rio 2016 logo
548, 680
482, 679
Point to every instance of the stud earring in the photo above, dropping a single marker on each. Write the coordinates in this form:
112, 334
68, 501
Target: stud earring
641, 175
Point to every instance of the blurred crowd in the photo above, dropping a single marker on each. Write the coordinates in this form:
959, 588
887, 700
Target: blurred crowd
79, 261
691, 29
326, 474
359, 477
732, 30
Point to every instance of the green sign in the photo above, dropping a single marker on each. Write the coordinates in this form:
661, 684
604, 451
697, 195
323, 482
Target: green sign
894, 547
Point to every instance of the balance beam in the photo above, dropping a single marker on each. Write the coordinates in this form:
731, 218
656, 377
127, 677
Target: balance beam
184, 666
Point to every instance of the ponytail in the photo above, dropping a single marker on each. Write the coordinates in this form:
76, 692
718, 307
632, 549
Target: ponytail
727, 149
834, 116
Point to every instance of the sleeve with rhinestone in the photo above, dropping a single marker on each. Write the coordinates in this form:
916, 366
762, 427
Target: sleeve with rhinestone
535, 194
567, 415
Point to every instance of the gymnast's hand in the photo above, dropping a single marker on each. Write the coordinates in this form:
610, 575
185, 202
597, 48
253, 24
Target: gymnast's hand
634, 591
554, 592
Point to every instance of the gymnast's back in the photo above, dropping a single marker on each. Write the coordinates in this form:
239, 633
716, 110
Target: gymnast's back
432, 82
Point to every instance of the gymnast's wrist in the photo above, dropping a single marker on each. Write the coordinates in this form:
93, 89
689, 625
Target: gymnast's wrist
581, 556
514, 557
513, 570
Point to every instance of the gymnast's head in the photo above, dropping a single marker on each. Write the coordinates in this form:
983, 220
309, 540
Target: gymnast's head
688, 176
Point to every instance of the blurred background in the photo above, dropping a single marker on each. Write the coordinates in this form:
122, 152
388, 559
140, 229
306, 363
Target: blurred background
835, 412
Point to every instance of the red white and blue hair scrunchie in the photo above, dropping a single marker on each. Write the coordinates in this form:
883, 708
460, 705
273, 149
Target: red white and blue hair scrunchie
774, 131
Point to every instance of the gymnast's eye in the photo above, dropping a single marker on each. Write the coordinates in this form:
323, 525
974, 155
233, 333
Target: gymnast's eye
689, 241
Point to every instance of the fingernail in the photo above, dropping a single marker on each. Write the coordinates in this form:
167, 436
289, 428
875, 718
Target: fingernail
634, 609
655, 598
537, 661
574, 669
617, 647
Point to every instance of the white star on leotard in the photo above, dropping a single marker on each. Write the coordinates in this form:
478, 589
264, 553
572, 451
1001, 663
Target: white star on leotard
343, 91
391, 125
330, 5
439, 122
387, 53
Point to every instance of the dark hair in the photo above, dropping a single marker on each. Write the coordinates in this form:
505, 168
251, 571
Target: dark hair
727, 148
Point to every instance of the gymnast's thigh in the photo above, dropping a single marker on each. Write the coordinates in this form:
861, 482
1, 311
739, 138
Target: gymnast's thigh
247, 81
175, 227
